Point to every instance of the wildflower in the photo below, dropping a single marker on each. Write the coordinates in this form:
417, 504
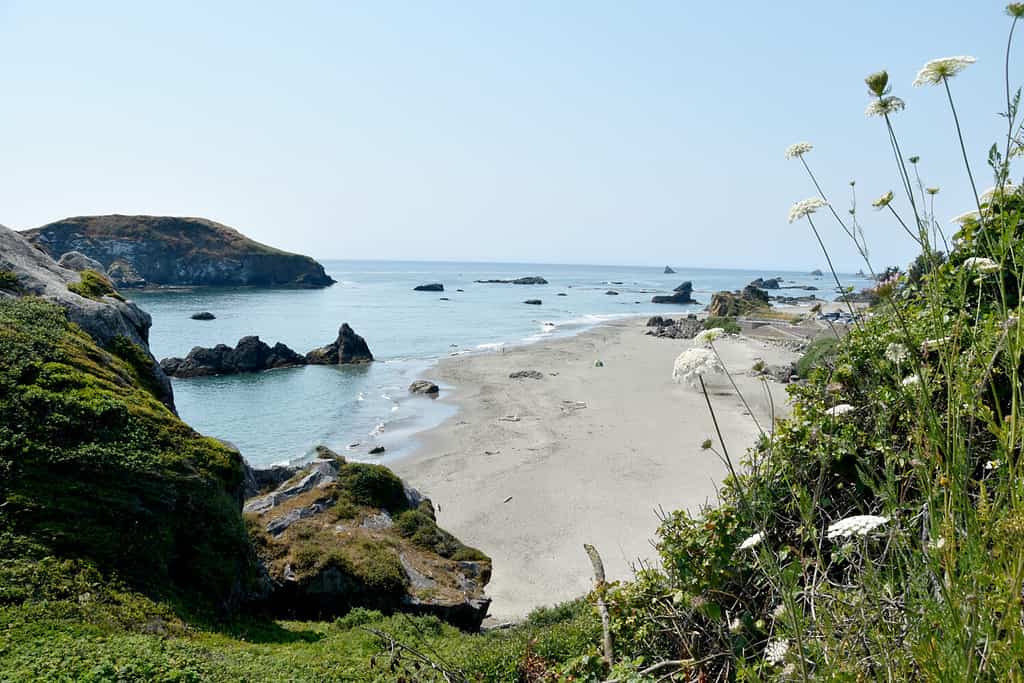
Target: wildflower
981, 264
883, 106
708, 336
805, 207
775, 651
735, 626
964, 217
937, 545
932, 190
938, 70
896, 353
993, 464
693, 364
799, 149
910, 380
1015, 9
752, 541
988, 194
840, 409
883, 201
779, 611
878, 83
933, 344
858, 525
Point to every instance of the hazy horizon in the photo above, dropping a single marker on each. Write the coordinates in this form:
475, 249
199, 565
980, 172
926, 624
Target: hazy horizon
580, 133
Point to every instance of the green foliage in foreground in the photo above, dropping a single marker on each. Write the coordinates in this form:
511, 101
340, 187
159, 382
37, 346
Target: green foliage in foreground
726, 323
9, 281
818, 352
94, 285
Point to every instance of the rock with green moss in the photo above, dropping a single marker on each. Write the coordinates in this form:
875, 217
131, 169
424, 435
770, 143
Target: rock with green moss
166, 250
742, 302
338, 535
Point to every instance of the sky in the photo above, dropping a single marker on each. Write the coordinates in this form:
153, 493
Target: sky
645, 133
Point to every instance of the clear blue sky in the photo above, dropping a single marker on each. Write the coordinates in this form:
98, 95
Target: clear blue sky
579, 132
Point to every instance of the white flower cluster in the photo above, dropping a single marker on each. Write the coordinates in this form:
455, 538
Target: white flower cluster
805, 207
938, 70
752, 541
708, 336
775, 651
964, 217
693, 364
840, 409
981, 264
798, 150
858, 525
883, 106
1008, 188
896, 353
910, 380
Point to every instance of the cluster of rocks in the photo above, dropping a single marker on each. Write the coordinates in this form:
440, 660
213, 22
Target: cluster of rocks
740, 302
783, 374
680, 295
251, 354
531, 280
526, 374
680, 328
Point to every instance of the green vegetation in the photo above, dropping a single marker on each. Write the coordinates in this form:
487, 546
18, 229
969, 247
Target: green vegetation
94, 285
420, 527
818, 352
9, 281
373, 485
727, 323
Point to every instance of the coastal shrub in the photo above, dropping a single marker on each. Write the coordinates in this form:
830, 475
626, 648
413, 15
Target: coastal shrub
728, 324
94, 285
373, 485
9, 281
423, 531
819, 351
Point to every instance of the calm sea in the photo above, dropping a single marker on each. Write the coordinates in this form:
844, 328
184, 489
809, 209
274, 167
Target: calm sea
281, 415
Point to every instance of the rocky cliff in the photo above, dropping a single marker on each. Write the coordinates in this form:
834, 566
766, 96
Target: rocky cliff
137, 251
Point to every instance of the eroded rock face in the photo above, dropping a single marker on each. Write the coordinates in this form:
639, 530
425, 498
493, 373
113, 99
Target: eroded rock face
105, 319
736, 303
166, 250
338, 535
249, 355
349, 347
77, 261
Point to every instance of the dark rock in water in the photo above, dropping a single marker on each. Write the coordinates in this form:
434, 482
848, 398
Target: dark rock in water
433, 287
816, 273
412, 566
616, 282
249, 355
533, 302
807, 288
526, 374
377, 450
864, 296
669, 271
349, 347
684, 288
204, 315
444, 298
166, 250
770, 283
425, 387
107, 319
681, 295
791, 300
460, 290
124, 275
532, 280
612, 292
681, 328
562, 294
77, 261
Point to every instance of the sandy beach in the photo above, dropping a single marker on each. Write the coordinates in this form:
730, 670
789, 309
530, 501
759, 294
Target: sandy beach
529, 470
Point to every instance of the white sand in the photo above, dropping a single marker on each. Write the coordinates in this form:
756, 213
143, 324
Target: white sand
594, 474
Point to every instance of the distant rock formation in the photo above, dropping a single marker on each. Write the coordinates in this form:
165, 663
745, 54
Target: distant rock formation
349, 347
681, 295
159, 250
203, 315
741, 302
433, 287
669, 271
532, 280
533, 302
770, 283
816, 273
249, 355
611, 292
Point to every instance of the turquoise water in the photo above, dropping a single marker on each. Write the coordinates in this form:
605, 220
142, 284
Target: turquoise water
281, 415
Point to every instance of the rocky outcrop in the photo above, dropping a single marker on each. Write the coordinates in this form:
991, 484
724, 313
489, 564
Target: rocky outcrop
741, 302
770, 283
680, 295
106, 317
531, 280
424, 387
433, 287
669, 271
250, 355
338, 535
533, 302
162, 250
203, 315
77, 261
611, 292
680, 328
816, 273
349, 347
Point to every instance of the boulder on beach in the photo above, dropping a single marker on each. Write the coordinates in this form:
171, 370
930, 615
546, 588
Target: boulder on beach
533, 302
203, 315
348, 348
526, 374
669, 271
432, 287
424, 387
680, 328
250, 355
531, 280
680, 295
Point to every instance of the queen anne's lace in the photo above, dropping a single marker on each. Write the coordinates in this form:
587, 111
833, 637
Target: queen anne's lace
752, 541
937, 70
805, 207
858, 525
798, 150
693, 364
708, 336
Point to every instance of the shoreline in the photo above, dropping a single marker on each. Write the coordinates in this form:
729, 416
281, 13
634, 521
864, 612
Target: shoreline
528, 470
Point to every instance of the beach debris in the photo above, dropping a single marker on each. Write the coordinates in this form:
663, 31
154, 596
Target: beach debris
526, 374
598, 364
376, 450
602, 608
572, 406
491, 452
507, 499
509, 418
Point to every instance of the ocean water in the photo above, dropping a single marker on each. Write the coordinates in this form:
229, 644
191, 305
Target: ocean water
281, 415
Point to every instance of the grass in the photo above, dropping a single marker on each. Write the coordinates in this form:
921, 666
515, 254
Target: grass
94, 285
819, 351
728, 324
